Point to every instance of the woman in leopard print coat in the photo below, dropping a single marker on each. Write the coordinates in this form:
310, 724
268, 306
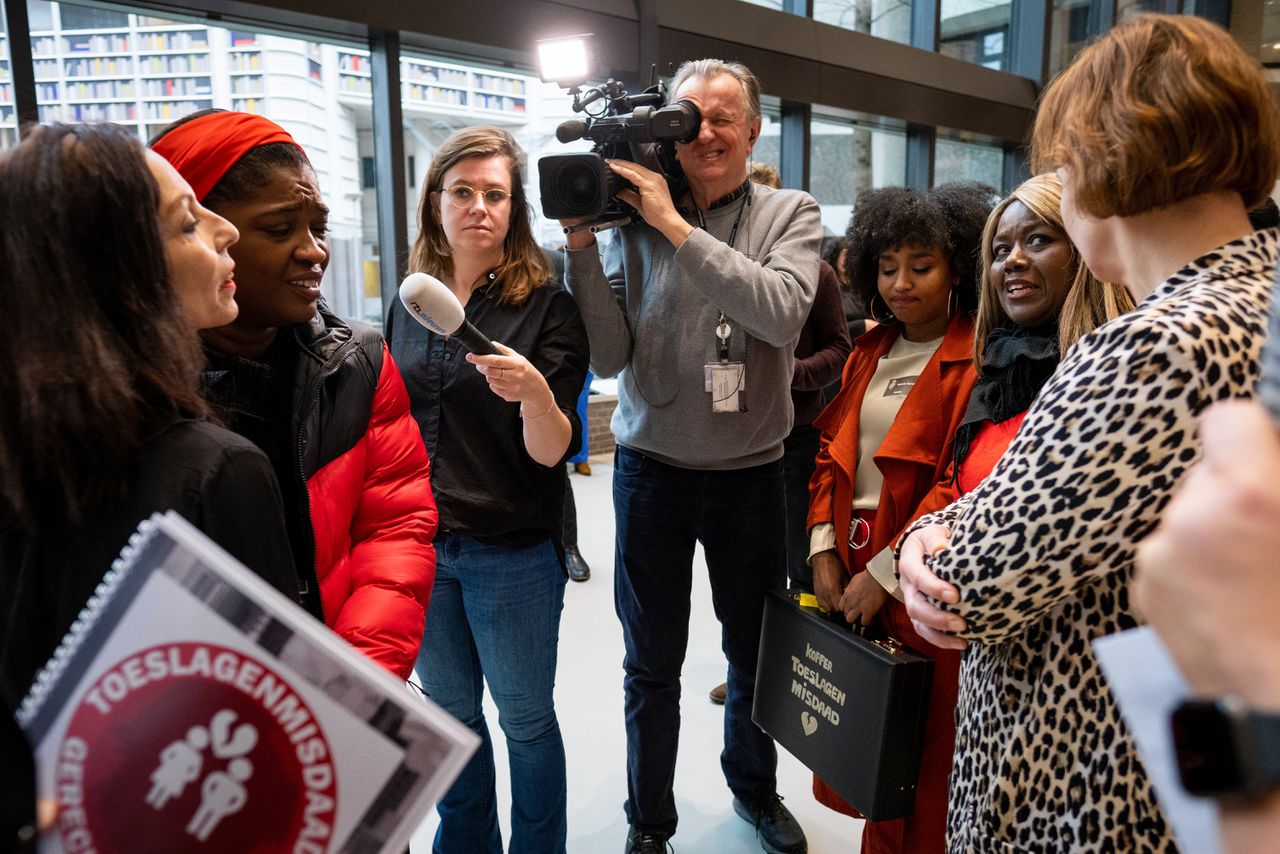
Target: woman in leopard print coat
1163, 133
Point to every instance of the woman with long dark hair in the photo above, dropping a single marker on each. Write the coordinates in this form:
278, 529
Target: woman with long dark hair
107, 278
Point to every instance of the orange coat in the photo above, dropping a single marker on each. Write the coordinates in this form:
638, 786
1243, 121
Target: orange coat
915, 460
915, 455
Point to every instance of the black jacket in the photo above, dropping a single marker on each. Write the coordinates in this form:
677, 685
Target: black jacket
212, 477
300, 380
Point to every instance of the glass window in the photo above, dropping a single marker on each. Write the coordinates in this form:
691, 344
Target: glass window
976, 31
440, 96
92, 18
1069, 32
886, 19
142, 71
772, 4
1126, 9
966, 157
768, 148
8, 111
847, 156
1270, 53
39, 15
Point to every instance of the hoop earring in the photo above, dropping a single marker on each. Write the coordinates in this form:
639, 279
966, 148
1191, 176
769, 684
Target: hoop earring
953, 303
871, 309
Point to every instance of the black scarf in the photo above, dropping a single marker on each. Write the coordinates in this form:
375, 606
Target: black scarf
1016, 363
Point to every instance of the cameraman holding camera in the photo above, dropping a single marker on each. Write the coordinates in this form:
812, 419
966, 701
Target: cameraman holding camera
698, 310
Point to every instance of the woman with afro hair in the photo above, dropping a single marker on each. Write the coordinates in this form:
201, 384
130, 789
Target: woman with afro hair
886, 444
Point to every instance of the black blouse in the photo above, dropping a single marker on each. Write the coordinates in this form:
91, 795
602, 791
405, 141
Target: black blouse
486, 485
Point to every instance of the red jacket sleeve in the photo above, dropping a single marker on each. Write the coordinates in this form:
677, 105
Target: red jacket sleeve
393, 563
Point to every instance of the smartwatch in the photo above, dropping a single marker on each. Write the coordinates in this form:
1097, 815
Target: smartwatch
1225, 749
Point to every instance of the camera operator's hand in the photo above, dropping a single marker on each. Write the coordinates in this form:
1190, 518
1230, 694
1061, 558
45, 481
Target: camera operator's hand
652, 201
578, 239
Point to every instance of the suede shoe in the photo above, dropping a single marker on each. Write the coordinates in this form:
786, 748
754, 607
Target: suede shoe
583, 468
646, 842
719, 693
575, 565
777, 828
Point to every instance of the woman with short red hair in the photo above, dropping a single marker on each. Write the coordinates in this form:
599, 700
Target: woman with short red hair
1164, 133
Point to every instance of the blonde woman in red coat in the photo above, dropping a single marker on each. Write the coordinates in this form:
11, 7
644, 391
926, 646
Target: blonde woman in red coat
886, 444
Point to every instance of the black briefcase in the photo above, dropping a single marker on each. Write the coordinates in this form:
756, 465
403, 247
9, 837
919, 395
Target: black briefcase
851, 708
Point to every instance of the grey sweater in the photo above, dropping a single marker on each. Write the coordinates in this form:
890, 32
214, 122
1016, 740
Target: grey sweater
651, 313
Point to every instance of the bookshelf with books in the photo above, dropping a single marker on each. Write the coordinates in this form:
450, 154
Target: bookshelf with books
143, 72
354, 77
8, 114
430, 87
245, 72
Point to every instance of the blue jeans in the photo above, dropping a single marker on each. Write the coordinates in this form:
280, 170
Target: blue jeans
495, 616
662, 512
585, 450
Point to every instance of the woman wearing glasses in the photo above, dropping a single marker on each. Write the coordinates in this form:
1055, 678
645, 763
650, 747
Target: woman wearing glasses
498, 430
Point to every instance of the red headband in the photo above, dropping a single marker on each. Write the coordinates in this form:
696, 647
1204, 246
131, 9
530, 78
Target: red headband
205, 149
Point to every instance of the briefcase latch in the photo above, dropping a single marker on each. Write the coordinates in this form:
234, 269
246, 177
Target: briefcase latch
890, 645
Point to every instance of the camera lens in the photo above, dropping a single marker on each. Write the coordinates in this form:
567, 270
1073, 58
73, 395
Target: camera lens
574, 185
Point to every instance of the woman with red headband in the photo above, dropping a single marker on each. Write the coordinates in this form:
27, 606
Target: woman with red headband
319, 394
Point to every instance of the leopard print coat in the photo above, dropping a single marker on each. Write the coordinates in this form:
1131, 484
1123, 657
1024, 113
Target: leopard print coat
1043, 551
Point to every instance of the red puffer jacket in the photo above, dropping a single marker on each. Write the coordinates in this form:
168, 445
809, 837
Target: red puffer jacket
366, 517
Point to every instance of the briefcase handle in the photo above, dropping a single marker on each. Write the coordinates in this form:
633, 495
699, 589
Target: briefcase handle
886, 642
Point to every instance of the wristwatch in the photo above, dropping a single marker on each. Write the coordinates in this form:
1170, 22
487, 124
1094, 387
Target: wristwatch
1225, 749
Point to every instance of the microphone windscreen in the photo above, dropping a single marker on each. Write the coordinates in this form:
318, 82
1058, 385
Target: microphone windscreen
431, 303
571, 130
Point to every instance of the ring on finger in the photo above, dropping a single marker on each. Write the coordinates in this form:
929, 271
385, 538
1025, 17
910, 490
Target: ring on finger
501, 373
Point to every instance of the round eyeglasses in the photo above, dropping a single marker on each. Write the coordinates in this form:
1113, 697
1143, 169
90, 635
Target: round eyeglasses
462, 196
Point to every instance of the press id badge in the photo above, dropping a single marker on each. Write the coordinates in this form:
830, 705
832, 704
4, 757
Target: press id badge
727, 382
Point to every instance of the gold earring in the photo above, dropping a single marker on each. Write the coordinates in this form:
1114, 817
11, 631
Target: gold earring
871, 309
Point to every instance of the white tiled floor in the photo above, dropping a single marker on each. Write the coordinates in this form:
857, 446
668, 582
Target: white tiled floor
589, 703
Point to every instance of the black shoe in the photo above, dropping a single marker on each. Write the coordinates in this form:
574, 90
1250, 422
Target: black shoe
646, 842
575, 565
777, 828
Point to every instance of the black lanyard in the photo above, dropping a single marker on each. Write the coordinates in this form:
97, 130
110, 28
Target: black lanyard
722, 327
733, 232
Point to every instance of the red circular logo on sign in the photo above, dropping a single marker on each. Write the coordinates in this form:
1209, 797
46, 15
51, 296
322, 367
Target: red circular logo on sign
194, 747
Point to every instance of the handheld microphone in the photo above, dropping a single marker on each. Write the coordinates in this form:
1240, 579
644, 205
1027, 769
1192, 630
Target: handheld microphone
435, 307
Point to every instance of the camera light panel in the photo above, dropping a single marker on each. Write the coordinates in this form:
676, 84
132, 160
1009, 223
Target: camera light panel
565, 61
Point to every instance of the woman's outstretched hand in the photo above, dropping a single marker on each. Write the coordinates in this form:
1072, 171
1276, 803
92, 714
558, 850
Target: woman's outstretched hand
514, 379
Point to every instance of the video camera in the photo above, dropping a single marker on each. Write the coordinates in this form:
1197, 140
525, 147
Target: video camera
638, 128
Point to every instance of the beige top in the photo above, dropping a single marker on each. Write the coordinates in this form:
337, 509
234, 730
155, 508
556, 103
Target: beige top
895, 376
